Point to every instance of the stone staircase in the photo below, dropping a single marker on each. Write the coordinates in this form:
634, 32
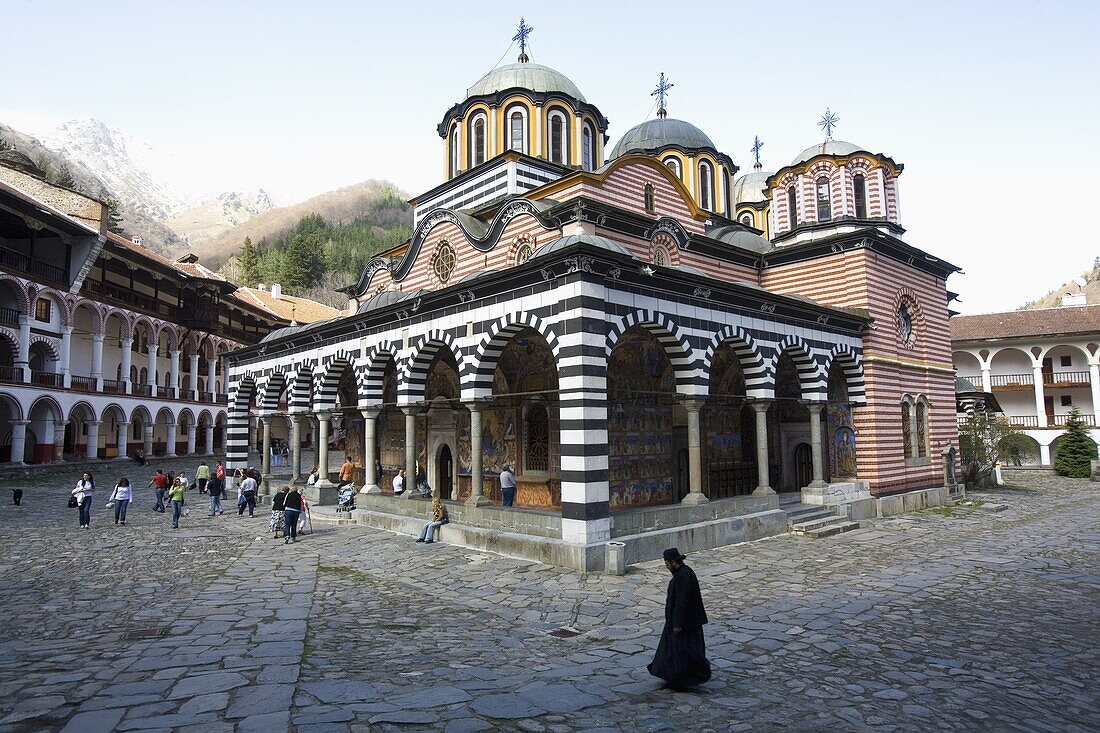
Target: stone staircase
815, 521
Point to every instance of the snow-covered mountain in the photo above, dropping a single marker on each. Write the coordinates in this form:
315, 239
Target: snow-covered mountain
126, 165
219, 214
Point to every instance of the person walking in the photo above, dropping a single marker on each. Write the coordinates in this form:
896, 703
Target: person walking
439, 518
84, 492
121, 496
246, 496
175, 495
507, 486
214, 486
347, 472
160, 482
681, 657
277, 502
292, 507
202, 476
219, 474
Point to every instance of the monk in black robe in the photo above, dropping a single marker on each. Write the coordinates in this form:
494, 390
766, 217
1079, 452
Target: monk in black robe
681, 658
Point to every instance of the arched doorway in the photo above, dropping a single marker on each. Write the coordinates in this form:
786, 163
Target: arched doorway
441, 420
728, 430
445, 470
791, 427
803, 464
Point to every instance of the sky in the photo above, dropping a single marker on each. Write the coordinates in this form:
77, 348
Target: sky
989, 105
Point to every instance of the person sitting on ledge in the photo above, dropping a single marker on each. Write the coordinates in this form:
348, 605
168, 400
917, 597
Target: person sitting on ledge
439, 518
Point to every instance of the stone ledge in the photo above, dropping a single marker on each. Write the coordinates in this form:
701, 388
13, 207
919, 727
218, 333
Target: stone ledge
911, 501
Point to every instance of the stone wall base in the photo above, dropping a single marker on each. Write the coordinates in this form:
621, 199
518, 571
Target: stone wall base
911, 501
837, 493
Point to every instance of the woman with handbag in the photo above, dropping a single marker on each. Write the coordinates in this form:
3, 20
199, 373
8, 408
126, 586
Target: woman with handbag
276, 526
83, 493
121, 497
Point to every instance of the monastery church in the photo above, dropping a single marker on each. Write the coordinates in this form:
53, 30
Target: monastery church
660, 346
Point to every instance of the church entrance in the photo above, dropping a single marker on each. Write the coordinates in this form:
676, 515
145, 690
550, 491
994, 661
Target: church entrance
803, 465
446, 473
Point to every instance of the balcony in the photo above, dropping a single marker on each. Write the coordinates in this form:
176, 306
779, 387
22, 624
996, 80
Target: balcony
112, 291
113, 386
1023, 421
83, 384
1065, 379
9, 317
1011, 382
142, 390
19, 261
11, 374
47, 379
1059, 421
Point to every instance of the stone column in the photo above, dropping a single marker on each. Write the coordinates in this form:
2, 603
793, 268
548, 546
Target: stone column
1044, 455
815, 409
93, 439
370, 457
151, 368
762, 449
123, 440
190, 439
987, 380
174, 373
695, 454
1040, 403
170, 448
411, 412
148, 430
211, 377
323, 424
477, 470
66, 352
127, 344
23, 351
18, 440
97, 361
1094, 383
194, 378
266, 457
295, 447
210, 439
59, 441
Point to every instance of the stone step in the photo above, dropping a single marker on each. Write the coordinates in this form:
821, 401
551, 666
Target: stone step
837, 528
810, 514
816, 523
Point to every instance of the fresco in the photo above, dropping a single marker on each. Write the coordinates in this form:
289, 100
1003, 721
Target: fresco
839, 429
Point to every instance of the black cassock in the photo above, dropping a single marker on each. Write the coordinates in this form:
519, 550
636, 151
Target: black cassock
681, 658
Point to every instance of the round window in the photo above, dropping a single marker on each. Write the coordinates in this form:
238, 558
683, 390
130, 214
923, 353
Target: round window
523, 253
443, 263
905, 324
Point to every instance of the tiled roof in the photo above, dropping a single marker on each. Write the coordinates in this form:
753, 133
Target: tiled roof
1027, 323
288, 307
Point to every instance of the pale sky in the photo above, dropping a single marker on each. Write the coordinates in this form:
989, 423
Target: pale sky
989, 105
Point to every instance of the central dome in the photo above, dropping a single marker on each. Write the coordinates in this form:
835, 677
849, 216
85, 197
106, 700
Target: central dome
533, 77
829, 147
659, 134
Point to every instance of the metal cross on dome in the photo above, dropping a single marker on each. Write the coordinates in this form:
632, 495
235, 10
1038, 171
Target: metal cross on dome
756, 145
521, 36
828, 122
661, 92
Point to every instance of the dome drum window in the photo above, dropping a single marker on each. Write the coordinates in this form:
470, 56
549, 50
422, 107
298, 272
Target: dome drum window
443, 262
516, 137
792, 206
648, 199
588, 148
859, 190
477, 140
706, 186
558, 137
824, 204
673, 164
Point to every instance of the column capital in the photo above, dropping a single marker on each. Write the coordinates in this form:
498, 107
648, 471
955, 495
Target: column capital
694, 403
370, 412
762, 405
95, 423
814, 405
412, 410
20, 422
267, 417
296, 417
98, 337
476, 403
323, 414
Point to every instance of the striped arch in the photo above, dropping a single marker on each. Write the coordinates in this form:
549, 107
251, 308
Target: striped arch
125, 321
810, 378
484, 364
272, 390
13, 341
185, 417
51, 344
63, 303
374, 374
205, 418
676, 346
236, 434
141, 412
173, 336
752, 363
329, 380
301, 389
96, 311
24, 302
413, 376
84, 407
852, 365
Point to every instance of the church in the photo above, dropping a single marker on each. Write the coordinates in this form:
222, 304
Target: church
659, 346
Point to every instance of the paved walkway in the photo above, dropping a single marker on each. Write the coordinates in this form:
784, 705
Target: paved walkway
964, 620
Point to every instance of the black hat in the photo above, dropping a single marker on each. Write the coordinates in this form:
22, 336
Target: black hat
674, 554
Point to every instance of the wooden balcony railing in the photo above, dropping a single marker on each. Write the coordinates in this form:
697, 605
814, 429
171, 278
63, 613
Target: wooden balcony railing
142, 390
47, 379
1024, 421
1060, 421
1011, 381
11, 374
83, 384
164, 393
9, 317
113, 386
1051, 378
19, 261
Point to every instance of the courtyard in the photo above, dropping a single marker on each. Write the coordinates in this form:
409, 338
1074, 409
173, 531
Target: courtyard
963, 619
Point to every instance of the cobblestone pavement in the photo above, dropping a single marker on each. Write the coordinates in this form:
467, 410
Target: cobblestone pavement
951, 620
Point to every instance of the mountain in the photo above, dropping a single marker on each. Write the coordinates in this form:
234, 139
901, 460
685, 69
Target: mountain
377, 201
1088, 283
220, 214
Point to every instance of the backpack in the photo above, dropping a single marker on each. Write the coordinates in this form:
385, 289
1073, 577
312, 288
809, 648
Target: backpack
73, 503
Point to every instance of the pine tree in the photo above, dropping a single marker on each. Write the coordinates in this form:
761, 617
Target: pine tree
114, 219
249, 264
65, 179
1075, 449
303, 262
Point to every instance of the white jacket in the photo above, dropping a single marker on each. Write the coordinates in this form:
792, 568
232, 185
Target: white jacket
122, 493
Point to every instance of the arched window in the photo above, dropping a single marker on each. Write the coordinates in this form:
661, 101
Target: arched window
907, 428
477, 140
537, 439
859, 186
588, 143
647, 195
454, 150
673, 164
559, 138
824, 205
516, 138
443, 264
792, 205
746, 219
660, 256
706, 186
922, 429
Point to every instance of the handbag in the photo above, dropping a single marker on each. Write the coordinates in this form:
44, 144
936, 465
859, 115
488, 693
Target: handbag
73, 503
186, 511
109, 504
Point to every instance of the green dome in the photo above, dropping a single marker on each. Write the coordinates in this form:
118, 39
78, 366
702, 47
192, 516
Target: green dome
829, 147
654, 135
533, 77
751, 187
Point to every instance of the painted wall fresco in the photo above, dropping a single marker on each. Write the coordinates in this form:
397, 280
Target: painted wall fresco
641, 384
839, 429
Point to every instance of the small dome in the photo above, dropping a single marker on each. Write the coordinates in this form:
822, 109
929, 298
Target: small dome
737, 236
654, 135
533, 77
750, 188
386, 297
570, 239
829, 147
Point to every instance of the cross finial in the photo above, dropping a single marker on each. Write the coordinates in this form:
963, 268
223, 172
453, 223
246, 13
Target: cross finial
756, 145
828, 122
521, 36
661, 93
